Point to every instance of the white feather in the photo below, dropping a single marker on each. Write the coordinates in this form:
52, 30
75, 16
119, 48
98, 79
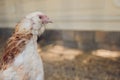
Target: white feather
31, 62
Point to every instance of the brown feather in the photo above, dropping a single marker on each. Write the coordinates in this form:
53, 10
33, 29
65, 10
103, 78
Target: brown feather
14, 46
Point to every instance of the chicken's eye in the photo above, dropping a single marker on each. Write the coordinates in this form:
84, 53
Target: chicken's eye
40, 17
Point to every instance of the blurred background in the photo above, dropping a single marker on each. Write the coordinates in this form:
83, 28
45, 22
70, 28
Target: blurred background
83, 43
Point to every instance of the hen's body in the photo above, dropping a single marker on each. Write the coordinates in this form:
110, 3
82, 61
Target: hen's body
25, 66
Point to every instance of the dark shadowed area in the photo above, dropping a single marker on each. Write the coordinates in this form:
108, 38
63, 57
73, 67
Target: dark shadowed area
76, 55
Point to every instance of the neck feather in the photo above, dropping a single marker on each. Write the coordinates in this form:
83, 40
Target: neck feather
14, 46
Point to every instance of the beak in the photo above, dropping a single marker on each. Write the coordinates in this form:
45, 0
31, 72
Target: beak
50, 21
46, 20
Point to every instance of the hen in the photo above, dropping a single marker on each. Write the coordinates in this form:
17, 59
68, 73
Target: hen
21, 60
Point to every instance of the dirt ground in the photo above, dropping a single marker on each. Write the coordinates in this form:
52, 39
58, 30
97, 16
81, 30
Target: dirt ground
61, 63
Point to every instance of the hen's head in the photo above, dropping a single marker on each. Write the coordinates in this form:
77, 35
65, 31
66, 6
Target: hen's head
34, 22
